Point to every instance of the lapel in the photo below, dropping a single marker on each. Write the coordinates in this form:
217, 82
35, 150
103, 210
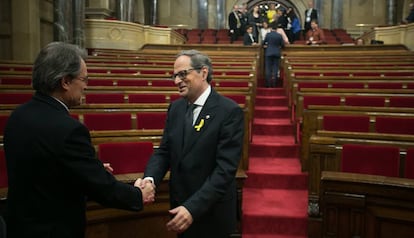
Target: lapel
203, 121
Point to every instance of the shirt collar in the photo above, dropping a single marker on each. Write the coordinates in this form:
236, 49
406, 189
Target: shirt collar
203, 97
67, 109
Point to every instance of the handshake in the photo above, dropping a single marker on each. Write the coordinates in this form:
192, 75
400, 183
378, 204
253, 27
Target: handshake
146, 185
147, 189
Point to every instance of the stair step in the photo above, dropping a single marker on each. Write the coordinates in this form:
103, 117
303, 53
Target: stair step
271, 112
270, 91
272, 127
271, 236
271, 101
276, 181
275, 211
273, 149
273, 139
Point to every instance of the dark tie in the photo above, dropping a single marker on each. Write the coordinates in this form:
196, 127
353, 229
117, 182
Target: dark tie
188, 124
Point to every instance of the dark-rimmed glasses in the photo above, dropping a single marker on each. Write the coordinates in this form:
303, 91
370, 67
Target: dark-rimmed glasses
83, 79
182, 74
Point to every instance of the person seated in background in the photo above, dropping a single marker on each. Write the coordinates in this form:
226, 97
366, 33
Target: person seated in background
248, 37
359, 41
315, 35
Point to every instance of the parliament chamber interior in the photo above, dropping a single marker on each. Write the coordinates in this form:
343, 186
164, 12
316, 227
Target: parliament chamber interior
327, 152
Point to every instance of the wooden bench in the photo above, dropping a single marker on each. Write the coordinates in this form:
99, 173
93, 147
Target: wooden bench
352, 84
325, 155
314, 115
350, 97
359, 205
344, 74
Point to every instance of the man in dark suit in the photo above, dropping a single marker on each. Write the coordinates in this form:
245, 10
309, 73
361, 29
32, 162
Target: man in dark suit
204, 159
310, 14
273, 43
234, 22
248, 37
51, 162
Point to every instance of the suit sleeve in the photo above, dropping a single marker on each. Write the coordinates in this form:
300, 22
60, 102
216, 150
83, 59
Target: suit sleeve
229, 148
79, 162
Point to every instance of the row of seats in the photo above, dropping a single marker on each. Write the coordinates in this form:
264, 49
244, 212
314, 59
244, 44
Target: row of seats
124, 157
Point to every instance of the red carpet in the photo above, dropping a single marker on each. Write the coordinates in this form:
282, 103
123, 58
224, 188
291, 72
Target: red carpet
275, 192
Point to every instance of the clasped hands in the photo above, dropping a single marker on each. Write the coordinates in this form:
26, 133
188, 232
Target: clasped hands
147, 186
147, 189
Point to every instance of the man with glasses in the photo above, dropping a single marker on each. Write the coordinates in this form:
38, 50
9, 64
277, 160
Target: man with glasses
51, 162
202, 155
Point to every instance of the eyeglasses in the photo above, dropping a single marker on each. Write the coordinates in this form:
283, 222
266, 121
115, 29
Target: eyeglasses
182, 74
83, 79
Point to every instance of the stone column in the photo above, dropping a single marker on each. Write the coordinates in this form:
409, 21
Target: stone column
336, 14
202, 14
98, 9
78, 22
125, 10
62, 21
151, 12
317, 4
221, 15
391, 12
25, 34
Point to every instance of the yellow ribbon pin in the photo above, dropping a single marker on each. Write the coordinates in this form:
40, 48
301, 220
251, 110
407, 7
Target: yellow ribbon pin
201, 124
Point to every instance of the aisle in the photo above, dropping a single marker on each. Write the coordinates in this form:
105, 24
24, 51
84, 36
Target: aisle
275, 192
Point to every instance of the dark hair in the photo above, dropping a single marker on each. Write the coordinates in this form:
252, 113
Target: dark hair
273, 25
53, 63
198, 61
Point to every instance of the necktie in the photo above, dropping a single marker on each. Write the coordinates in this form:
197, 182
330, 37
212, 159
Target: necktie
188, 123
189, 115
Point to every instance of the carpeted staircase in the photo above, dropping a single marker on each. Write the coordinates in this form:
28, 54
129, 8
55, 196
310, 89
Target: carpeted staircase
275, 192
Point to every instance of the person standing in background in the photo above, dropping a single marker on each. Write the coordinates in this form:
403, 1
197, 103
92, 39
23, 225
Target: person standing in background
295, 27
201, 147
51, 163
264, 30
273, 43
256, 20
234, 24
310, 14
271, 12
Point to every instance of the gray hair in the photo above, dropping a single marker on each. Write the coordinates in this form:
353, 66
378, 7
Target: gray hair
54, 62
198, 61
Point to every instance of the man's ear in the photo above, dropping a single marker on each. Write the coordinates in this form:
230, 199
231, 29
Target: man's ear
65, 82
205, 72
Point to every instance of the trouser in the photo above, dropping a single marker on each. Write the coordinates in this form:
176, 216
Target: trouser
272, 70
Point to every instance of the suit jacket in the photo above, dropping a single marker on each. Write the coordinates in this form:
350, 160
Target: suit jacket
202, 172
274, 42
247, 40
234, 21
52, 169
313, 16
